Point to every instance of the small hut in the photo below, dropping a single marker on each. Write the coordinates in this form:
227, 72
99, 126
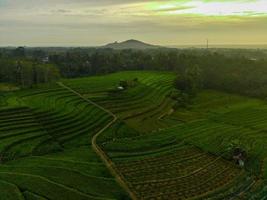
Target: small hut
239, 156
120, 88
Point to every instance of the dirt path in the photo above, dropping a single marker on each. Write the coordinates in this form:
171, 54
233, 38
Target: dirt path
109, 164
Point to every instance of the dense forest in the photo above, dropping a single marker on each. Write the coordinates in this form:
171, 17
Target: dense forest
237, 71
25, 72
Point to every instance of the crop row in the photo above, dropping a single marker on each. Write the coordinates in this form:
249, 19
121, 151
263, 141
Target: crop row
185, 173
53, 120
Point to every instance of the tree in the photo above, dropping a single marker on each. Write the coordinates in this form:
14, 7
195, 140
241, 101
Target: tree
184, 84
19, 74
34, 74
123, 84
19, 52
182, 99
238, 152
189, 81
27, 73
194, 73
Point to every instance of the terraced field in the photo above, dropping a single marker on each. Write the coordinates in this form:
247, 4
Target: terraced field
169, 163
141, 106
46, 148
174, 169
155, 151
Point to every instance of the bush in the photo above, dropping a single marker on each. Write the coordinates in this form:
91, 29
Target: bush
182, 99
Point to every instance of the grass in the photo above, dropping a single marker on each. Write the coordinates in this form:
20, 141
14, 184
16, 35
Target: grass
200, 124
46, 137
173, 170
7, 87
139, 106
10, 191
45, 146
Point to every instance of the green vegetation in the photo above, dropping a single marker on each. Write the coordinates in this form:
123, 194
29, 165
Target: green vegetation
160, 149
46, 146
147, 160
140, 106
26, 73
4, 87
241, 71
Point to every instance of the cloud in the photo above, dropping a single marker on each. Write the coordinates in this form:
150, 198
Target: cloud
174, 8
80, 22
62, 11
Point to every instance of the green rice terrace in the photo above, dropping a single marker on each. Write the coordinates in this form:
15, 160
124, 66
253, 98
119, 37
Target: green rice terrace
89, 138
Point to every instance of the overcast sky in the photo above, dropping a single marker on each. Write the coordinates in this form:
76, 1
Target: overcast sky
163, 22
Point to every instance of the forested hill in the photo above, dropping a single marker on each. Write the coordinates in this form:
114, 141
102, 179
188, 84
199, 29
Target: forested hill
130, 44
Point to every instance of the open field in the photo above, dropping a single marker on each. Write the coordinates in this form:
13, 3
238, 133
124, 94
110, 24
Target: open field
159, 152
176, 171
46, 147
200, 125
140, 106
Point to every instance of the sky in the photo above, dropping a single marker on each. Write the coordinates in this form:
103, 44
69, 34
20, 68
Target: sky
161, 22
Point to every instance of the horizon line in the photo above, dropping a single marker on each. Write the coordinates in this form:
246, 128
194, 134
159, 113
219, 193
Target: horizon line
166, 46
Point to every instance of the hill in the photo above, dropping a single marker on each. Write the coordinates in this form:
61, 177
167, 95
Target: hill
130, 44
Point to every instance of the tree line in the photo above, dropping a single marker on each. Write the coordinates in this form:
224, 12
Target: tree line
235, 72
231, 73
26, 72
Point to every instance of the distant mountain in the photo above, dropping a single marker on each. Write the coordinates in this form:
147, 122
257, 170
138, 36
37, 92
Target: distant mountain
130, 44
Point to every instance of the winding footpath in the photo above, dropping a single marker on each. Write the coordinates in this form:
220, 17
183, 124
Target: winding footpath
108, 162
